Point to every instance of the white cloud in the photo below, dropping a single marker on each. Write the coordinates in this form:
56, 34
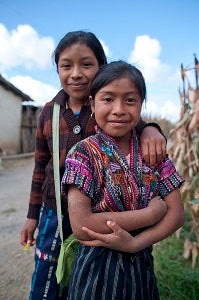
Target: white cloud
162, 80
146, 56
38, 91
167, 109
24, 47
106, 49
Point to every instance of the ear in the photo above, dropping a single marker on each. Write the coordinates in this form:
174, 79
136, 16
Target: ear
92, 104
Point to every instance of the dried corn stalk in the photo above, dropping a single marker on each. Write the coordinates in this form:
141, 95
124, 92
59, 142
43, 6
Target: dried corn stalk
185, 153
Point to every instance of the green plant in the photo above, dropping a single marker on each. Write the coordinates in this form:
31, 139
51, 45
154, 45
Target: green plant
176, 279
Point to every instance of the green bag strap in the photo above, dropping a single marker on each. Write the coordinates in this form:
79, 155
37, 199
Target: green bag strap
55, 136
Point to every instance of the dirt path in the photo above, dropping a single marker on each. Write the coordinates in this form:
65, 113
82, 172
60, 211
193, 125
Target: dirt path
16, 264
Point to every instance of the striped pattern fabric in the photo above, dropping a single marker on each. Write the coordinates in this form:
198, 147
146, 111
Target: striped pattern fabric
44, 282
104, 274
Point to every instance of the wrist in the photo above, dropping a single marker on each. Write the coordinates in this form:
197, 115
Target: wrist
153, 124
151, 216
137, 243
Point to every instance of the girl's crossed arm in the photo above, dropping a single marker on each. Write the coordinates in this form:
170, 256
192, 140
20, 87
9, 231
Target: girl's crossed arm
121, 240
81, 215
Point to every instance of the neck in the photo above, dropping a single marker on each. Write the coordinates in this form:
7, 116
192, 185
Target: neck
124, 144
125, 149
75, 104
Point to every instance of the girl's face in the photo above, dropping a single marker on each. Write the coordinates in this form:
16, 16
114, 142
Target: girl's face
117, 108
77, 67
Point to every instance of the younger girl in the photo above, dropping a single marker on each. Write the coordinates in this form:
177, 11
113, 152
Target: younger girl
106, 179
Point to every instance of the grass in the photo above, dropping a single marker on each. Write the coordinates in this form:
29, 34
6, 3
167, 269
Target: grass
176, 279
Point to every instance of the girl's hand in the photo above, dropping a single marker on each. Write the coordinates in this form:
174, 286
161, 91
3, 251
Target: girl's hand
119, 239
153, 145
27, 232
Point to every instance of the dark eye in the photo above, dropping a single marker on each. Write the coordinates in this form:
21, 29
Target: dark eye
107, 99
131, 100
87, 64
65, 66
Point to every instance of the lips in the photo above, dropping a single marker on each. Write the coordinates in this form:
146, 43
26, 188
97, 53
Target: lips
77, 84
119, 122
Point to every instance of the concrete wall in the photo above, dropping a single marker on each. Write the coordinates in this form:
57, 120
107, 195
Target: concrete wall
10, 122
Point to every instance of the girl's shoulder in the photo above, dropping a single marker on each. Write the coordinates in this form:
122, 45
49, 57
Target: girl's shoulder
84, 149
166, 165
47, 107
163, 168
80, 147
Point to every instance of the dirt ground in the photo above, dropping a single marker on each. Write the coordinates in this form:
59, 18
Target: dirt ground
16, 264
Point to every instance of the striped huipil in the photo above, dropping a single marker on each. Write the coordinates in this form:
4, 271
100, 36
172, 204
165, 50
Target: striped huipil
100, 170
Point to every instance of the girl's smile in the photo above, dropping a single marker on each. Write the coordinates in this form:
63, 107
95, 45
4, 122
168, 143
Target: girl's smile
77, 86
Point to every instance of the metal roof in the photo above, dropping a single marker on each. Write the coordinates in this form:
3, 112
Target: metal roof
9, 86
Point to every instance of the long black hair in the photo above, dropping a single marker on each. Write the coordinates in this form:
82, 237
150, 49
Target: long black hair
115, 70
81, 37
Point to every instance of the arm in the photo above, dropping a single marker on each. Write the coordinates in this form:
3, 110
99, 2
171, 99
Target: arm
80, 213
173, 220
42, 157
121, 240
152, 142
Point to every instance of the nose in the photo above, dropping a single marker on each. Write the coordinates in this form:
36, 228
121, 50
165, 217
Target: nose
76, 72
118, 108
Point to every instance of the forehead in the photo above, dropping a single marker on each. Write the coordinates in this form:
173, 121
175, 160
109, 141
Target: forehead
77, 50
121, 84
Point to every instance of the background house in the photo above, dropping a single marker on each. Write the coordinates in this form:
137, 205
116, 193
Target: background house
17, 121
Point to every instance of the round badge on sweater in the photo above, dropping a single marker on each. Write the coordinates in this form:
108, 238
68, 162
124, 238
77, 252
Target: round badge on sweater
76, 129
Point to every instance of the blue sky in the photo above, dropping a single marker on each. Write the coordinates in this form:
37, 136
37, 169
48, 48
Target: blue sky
155, 35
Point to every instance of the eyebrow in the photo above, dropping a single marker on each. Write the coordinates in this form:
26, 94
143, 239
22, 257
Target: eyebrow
112, 93
82, 58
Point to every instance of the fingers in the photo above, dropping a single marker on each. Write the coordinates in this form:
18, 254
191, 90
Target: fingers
93, 243
153, 151
144, 147
27, 238
114, 227
118, 239
148, 150
164, 148
24, 238
31, 239
94, 235
161, 150
98, 239
27, 232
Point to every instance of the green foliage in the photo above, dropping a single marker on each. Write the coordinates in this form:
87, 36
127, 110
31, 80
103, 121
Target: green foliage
195, 181
176, 279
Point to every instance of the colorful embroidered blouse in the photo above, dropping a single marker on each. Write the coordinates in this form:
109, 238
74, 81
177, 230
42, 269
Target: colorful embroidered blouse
99, 169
